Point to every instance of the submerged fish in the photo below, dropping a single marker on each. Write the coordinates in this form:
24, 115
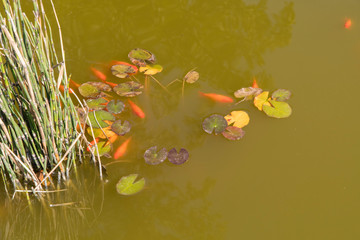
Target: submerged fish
98, 74
75, 84
347, 23
136, 109
255, 84
217, 97
121, 150
62, 88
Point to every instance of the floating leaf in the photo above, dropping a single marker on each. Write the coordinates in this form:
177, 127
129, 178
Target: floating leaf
247, 92
93, 89
121, 128
123, 70
115, 106
154, 157
281, 95
261, 99
104, 149
129, 89
178, 157
151, 69
140, 56
233, 133
191, 77
239, 118
215, 123
96, 104
101, 117
101, 132
128, 186
277, 109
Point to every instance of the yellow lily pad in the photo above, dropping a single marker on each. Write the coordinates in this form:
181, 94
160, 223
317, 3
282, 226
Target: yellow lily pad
261, 99
151, 69
238, 118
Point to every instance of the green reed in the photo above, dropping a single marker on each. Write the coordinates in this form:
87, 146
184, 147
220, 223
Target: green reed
38, 122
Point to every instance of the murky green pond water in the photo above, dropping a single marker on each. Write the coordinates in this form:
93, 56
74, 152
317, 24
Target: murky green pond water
295, 178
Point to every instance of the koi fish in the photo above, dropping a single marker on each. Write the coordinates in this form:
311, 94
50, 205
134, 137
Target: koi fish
75, 84
98, 74
217, 97
136, 109
92, 143
347, 23
254, 84
62, 88
121, 150
109, 83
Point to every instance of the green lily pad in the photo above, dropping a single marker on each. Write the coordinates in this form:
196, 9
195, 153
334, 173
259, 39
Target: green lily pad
191, 77
277, 109
104, 150
215, 123
178, 157
128, 89
151, 69
123, 70
233, 133
101, 116
93, 89
247, 92
128, 186
96, 104
121, 128
140, 56
281, 95
115, 106
154, 157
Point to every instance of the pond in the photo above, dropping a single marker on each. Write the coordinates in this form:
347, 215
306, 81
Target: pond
294, 178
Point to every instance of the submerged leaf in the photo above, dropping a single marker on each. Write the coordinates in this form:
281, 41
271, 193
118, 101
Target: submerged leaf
121, 128
123, 70
115, 106
277, 109
154, 157
215, 123
96, 104
261, 99
247, 92
191, 77
281, 95
93, 89
233, 133
239, 118
128, 89
178, 157
101, 116
128, 186
101, 132
140, 56
151, 69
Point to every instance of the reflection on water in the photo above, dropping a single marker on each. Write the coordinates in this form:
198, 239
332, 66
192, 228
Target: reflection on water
226, 41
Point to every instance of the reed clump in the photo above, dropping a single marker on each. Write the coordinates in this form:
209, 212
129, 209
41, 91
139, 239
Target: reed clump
38, 121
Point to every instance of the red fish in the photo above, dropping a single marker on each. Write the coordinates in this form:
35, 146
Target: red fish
136, 109
254, 84
121, 150
98, 74
112, 139
109, 83
347, 23
61, 87
75, 84
217, 97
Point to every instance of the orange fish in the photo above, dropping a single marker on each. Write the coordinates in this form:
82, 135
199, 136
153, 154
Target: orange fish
75, 84
109, 83
92, 143
61, 87
122, 149
136, 109
254, 84
347, 23
217, 97
98, 74
112, 139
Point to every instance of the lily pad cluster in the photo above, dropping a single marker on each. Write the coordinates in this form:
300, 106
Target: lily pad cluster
153, 156
230, 126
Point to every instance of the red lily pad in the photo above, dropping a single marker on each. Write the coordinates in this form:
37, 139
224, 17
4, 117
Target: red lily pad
178, 157
233, 133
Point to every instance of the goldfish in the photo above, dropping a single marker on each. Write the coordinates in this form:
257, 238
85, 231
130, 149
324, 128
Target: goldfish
109, 83
98, 74
121, 150
92, 143
62, 88
136, 109
112, 139
75, 84
254, 84
217, 97
347, 23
